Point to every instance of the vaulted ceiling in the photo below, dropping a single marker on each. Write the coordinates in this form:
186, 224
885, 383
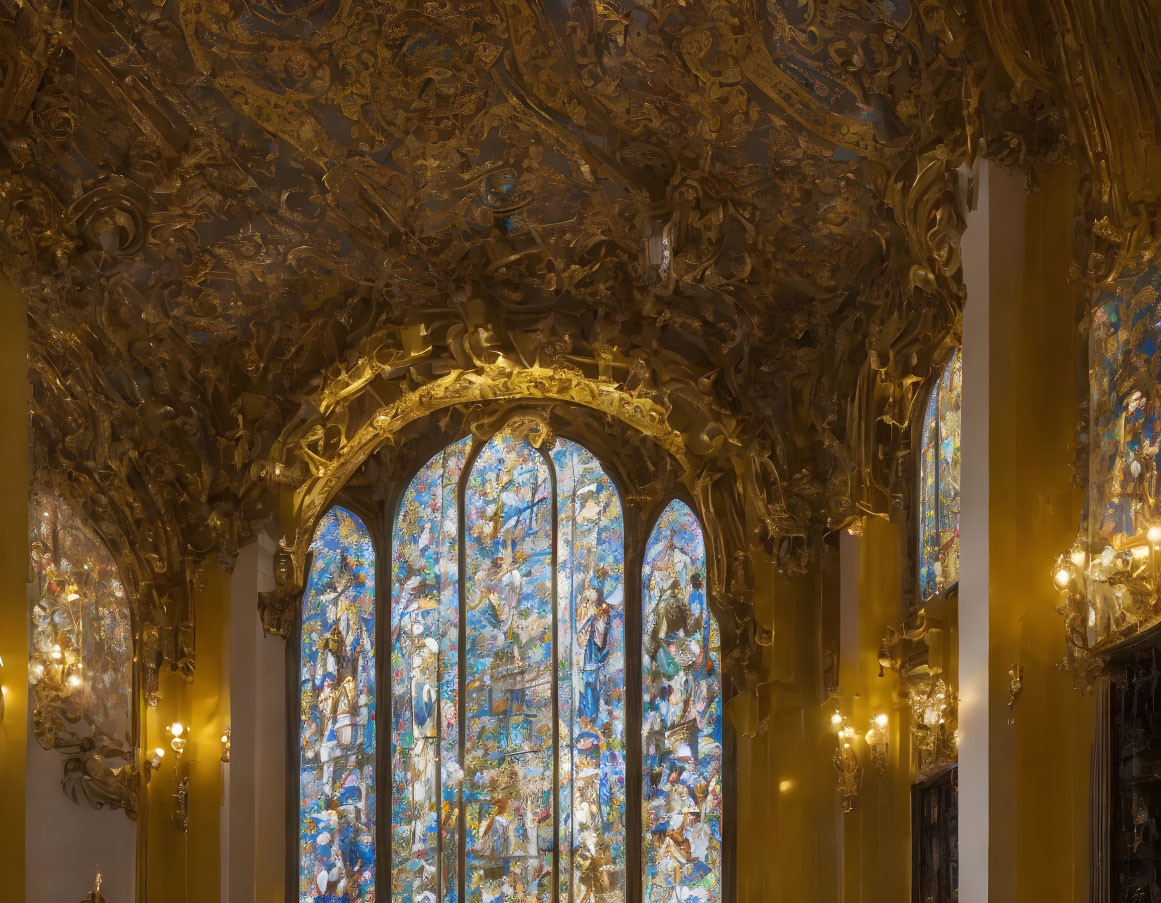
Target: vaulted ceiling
244, 227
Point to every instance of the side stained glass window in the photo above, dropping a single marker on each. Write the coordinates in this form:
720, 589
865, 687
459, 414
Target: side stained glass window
337, 806
939, 467
682, 730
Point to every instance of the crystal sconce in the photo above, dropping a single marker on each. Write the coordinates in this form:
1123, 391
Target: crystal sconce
178, 741
878, 742
226, 746
846, 763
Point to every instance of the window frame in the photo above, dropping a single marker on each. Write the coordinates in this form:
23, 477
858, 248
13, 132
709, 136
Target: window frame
377, 503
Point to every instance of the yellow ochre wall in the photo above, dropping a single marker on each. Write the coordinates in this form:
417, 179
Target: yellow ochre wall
187, 867
13, 579
1039, 765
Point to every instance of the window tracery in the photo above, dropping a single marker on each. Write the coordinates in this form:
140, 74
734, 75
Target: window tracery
509, 744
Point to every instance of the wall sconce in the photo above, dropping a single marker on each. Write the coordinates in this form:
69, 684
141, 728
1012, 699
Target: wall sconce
934, 723
1015, 688
846, 762
177, 732
878, 741
95, 896
226, 745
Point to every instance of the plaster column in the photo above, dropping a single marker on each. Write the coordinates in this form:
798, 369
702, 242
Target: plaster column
254, 825
274, 817
973, 533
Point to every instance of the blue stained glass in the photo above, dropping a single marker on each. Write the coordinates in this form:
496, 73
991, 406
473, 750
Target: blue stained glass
425, 765
939, 467
509, 754
337, 706
1125, 411
591, 644
682, 730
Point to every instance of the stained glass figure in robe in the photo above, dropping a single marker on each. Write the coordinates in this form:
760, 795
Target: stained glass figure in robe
425, 770
591, 644
509, 754
337, 706
939, 468
682, 730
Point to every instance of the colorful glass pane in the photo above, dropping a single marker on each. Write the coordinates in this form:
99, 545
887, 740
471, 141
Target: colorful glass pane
424, 683
80, 668
928, 508
337, 706
591, 643
1126, 413
682, 730
509, 726
939, 467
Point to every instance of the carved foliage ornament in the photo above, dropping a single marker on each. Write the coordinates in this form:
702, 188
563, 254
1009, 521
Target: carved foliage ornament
81, 666
245, 229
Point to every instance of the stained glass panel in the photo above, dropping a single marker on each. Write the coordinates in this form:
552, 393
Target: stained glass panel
939, 468
682, 731
509, 742
1126, 414
591, 594
425, 607
81, 663
337, 706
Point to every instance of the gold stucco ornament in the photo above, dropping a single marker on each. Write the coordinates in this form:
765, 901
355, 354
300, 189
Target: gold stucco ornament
254, 244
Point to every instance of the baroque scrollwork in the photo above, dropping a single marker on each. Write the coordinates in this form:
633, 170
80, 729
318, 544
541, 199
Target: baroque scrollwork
82, 663
258, 238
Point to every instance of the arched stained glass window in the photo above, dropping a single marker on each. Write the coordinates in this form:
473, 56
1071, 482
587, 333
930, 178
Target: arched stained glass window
337, 706
507, 679
682, 730
939, 483
514, 788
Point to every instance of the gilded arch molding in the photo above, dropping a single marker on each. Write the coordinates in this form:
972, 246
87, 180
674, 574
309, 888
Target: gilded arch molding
711, 474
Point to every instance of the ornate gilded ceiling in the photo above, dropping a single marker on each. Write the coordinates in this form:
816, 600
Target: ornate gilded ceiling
257, 237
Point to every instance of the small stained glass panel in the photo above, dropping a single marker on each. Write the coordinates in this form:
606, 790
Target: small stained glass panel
939, 479
337, 708
682, 731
